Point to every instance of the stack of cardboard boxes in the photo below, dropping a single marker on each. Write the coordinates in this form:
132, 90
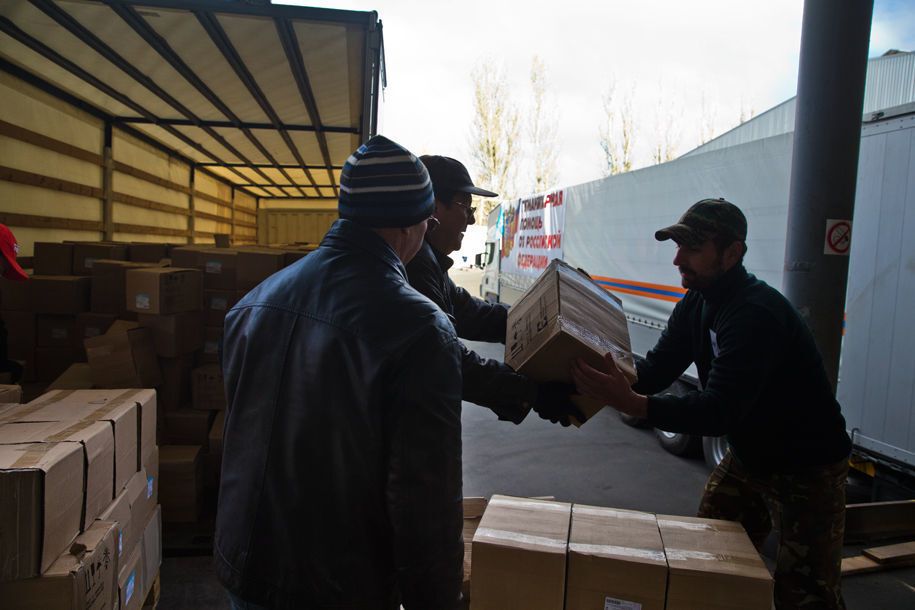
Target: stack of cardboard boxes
548, 555
80, 524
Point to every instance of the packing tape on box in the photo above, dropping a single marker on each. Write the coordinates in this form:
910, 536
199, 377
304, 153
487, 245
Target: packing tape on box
689, 554
506, 536
114, 403
36, 405
70, 431
616, 551
687, 525
596, 511
33, 455
557, 507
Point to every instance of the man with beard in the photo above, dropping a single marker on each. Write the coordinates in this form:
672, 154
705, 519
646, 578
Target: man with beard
486, 382
763, 385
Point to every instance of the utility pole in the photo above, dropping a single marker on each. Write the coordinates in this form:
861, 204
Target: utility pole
827, 136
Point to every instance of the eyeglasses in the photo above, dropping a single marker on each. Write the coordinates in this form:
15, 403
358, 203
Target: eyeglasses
432, 224
469, 209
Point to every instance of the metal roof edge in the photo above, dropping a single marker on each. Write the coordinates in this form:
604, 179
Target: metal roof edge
286, 11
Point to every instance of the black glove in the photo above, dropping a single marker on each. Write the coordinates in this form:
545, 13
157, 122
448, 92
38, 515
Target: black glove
554, 403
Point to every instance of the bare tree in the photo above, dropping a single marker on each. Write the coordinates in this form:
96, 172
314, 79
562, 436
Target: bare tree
667, 130
746, 111
542, 130
494, 134
616, 131
709, 114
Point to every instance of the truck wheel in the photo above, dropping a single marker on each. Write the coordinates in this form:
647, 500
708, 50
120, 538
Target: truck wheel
714, 449
684, 445
635, 422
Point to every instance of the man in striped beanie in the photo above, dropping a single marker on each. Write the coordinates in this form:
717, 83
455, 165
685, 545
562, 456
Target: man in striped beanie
341, 483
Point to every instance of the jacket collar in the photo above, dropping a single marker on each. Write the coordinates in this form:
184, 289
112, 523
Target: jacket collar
444, 261
350, 235
724, 286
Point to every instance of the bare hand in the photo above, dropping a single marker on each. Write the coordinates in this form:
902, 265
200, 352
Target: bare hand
611, 387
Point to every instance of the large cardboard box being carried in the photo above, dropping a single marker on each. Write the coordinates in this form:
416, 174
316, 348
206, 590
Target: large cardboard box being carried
41, 497
713, 565
124, 357
83, 578
519, 555
164, 290
616, 560
565, 315
96, 440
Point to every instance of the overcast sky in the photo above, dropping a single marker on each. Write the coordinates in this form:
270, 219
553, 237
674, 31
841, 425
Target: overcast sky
735, 54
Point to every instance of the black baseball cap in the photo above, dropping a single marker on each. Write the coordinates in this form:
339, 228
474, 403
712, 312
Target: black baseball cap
449, 175
704, 220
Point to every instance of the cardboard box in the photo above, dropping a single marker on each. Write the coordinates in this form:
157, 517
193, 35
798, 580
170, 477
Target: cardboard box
53, 258
51, 362
21, 332
10, 393
121, 409
219, 268
174, 334
212, 336
216, 303
85, 255
188, 427
565, 315
164, 290
90, 324
175, 391
519, 555
616, 560
255, 266
152, 549
15, 295
56, 331
186, 256
713, 565
41, 495
60, 294
118, 512
473, 512
151, 466
96, 441
209, 389
78, 376
180, 483
124, 357
130, 580
83, 578
109, 286
147, 253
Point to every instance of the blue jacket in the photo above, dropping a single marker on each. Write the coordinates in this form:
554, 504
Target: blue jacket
341, 475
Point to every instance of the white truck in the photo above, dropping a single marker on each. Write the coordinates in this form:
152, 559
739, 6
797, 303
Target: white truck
606, 227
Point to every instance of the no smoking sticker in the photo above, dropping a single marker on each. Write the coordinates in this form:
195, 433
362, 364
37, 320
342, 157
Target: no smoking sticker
838, 237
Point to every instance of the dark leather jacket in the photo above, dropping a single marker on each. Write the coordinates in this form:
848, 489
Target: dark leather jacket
341, 475
487, 382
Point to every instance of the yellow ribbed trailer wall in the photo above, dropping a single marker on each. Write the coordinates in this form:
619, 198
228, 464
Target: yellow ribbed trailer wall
58, 181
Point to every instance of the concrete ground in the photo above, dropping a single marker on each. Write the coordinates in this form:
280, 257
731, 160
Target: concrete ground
604, 462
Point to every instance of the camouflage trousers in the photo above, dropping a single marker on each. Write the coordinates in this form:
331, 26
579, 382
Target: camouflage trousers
808, 510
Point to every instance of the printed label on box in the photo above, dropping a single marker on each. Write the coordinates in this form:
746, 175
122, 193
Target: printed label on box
214, 267
219, 303
58, 333
142, 301
120, 542
93, 331
88, 262
149, 487
611, 603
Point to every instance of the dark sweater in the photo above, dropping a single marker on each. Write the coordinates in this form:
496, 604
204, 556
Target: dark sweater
762, 377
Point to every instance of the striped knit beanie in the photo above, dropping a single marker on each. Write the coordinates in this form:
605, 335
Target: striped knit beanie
384, 185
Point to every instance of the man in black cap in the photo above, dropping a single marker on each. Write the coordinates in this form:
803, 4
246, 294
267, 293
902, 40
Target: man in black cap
341, 478
487, 382
763, 385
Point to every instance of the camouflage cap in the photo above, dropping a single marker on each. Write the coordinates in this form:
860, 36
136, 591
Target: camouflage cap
704, 220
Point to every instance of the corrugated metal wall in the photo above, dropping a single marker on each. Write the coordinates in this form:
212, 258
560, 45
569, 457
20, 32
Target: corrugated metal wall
58, 182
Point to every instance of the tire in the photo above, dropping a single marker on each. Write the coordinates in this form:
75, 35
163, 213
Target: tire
714, 448
683, 445
635, 422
